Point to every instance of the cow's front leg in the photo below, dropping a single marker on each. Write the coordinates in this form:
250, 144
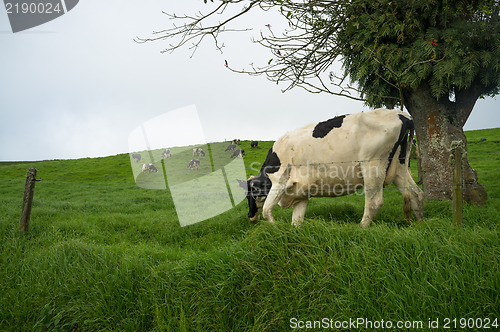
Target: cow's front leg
373, 202
275, 194
278, 188
374, 197
299, 210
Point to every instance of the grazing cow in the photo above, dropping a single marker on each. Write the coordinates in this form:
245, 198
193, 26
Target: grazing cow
194, 164
136, 157
238, 153
231, 147
254, 144
199, 152
336, 158
149, 168
236, 141
166, 154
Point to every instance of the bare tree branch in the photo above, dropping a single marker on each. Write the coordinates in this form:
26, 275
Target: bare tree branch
300, 54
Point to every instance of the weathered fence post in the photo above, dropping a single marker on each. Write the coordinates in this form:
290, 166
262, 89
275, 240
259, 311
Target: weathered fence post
456, 157
29, 190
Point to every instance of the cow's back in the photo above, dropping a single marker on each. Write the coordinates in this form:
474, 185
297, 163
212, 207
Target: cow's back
360, 137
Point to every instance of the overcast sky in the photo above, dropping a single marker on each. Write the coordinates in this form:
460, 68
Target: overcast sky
79, 86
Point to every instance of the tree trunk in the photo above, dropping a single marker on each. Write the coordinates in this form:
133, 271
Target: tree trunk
438, 122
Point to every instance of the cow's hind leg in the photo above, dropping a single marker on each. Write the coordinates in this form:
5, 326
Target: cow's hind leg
373, 187
412, 194
299, 210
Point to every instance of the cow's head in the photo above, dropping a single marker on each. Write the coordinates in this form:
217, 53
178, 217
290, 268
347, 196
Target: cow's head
257, 187
256, 190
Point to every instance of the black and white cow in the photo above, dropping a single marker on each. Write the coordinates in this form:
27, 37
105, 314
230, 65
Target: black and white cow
166, 154
194, 164
238, 153
231, 147
136, 157
199, 152
336, 158
149, 168
254, 144
236, 141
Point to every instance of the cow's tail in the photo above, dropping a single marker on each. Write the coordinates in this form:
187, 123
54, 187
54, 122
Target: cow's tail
405, 136
407, 142
410, 143
404, 141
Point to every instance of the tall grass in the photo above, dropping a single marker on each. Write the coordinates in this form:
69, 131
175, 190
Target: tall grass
104, 254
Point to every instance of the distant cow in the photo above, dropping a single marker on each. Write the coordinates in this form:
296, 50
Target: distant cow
482, 139
236, 141
254, 144
166, 154
199, 152
149, 168
238, 153
136, 157
231, 147
194, 164
334, 158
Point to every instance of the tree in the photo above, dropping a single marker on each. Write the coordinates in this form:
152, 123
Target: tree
434, 57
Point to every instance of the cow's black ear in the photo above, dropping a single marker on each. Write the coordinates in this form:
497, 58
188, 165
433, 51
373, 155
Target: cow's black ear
243, 184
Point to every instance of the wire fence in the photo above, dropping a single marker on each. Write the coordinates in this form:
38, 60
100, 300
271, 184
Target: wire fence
128, 181
106, 189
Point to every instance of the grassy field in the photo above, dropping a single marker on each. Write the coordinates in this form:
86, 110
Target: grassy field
103, 254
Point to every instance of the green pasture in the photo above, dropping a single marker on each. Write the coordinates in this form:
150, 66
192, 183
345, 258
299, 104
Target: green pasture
105, 254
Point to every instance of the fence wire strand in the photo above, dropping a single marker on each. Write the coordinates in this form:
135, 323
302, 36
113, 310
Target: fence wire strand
125, 181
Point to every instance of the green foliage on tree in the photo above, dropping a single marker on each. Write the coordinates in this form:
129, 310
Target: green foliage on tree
390, 46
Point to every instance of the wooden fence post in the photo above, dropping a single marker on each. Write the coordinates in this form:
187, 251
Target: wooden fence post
29, 190
456, 161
